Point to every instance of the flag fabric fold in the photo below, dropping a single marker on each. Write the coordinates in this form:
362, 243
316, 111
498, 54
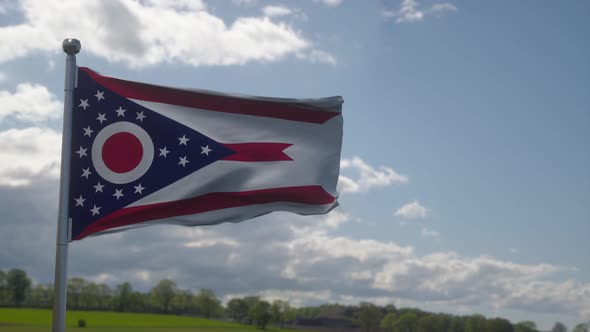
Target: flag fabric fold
144, 154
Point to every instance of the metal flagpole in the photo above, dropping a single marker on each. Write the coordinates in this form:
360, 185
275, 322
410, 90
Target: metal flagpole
71, 47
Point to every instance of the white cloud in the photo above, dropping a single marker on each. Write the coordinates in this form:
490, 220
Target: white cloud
50, 65
409, 11
146, 33
27, 154
333, 220
243, 2
365, 266
427, 232
413, 210
31, 153
282, 11
442, 7
368, 177
272, 11
211, 243
546, 296
330, 3
30, 103
317, 56
448, 277
179, 5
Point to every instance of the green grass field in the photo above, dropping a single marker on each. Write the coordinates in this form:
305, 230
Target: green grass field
37, 320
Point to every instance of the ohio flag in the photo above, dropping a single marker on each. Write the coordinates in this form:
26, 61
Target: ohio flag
145, 154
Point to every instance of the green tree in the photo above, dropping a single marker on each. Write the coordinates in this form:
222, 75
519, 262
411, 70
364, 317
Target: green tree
208, 304
475, 323
308, 312
368, 316
526, 326
456, 324
75, 286
251, 301
163, 293
290, 315
559, 327
237, 309
260, 314
444, 322
105, 294
406, 322
89, 297
388, 322
138, 302
184, 302
499, 325
41, 296
388, 309
432, 322
582, 327
427, 323
122, 298
419, 313
280, 311
4, 294
18, 284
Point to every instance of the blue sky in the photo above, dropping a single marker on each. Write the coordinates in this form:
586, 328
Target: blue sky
465, 162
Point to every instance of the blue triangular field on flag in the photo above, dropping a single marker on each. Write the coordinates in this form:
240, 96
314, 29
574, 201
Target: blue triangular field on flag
177, 151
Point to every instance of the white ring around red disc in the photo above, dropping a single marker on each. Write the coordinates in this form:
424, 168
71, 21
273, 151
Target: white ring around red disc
139, 165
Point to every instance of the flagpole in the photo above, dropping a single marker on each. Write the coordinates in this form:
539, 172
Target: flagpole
71, 47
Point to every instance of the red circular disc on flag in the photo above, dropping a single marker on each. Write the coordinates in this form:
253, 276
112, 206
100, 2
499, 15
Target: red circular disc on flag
122, 152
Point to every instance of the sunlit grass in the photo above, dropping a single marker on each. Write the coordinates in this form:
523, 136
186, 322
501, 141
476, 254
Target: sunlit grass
37, 320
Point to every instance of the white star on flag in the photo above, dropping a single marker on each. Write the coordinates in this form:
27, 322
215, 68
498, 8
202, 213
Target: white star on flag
205, 150
183, 140
183, 161
80, 201
140, 116
87, 131
118, 193
95, 210
163, 152
81, 152
120, 112
86, 172
98, 187
83, 103
138, 189
101, 117
99, 95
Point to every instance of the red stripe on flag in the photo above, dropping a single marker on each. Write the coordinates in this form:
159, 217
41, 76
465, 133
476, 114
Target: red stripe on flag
210, 102
258, 152
311, 195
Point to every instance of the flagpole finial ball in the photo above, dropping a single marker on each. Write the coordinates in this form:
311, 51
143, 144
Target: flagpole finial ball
71, 46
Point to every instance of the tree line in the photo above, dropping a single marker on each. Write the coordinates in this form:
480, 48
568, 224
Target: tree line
17, 290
